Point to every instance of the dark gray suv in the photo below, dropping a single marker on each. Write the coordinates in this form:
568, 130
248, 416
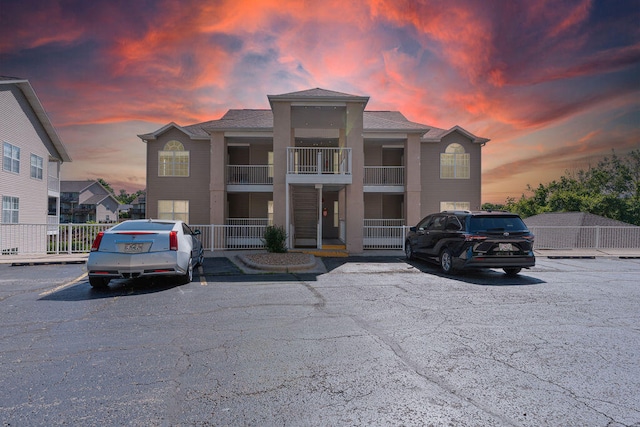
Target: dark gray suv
464, 239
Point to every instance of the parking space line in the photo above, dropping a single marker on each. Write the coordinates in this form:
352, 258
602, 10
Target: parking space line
65, 285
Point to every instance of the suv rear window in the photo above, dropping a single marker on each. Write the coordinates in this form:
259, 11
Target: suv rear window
496, 223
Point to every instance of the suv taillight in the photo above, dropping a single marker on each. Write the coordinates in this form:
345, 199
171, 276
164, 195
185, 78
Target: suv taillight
96, 242
173, 240
473, 238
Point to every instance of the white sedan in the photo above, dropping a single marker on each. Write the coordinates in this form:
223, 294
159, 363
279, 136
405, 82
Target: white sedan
144, 248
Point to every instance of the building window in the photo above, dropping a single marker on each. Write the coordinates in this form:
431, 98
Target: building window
455, 206
10, 158
10, 209
36, 167
174, 209
173, 160
270, 164
454, 163
270, 212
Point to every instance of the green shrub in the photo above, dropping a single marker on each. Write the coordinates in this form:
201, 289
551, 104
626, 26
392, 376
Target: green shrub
275, 239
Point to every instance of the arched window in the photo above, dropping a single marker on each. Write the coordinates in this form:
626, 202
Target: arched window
173, 160
454, 163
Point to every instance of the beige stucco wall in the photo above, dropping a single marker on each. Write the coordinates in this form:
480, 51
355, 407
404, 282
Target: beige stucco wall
193, 188
435, 189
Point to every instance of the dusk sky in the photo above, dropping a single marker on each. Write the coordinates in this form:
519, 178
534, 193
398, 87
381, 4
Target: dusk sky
554, 84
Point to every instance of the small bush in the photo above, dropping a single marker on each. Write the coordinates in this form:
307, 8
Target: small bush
275, 239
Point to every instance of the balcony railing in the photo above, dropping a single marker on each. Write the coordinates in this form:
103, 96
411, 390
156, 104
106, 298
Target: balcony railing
250, 174
384, 175
318, 160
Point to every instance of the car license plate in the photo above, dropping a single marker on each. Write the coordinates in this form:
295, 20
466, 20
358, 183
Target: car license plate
132, 248
505, 247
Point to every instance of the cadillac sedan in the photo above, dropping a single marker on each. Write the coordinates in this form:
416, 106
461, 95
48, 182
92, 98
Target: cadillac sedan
144, 248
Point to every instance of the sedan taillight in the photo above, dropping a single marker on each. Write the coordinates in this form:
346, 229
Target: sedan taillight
173, 240
96, 242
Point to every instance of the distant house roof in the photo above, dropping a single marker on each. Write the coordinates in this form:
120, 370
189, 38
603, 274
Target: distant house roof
81, 186
37, 107
75, 186
572, 219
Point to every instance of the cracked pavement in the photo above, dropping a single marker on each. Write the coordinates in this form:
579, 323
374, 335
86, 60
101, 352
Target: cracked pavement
369, 342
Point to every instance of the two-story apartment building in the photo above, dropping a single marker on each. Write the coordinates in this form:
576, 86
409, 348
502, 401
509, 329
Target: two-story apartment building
32, 154
316, 163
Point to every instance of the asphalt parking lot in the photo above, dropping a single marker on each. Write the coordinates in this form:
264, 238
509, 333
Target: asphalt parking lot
369, 341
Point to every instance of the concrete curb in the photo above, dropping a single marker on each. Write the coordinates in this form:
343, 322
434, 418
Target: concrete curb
313, 263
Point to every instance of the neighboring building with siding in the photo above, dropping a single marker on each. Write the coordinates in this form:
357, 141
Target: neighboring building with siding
32, 154
87, 201
316, 163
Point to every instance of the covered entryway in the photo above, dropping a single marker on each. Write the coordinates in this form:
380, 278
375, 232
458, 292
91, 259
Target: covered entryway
316, 216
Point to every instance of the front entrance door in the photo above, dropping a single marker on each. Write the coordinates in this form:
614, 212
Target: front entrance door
330, 223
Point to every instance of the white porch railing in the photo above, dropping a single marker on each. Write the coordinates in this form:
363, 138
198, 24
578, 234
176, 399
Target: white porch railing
384, 175
596, 237
247, 233
248, 221
318, 160
384, 234
17, 239
250, 174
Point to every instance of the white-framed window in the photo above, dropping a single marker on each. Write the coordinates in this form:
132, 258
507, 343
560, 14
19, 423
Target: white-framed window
10, 158
455, 206
173, 160
173, 209
36, 167
10, 209
454, 163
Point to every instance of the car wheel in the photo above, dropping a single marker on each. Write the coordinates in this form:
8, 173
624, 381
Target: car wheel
188, 276
408, 251
446, 261
99, 282
512, 271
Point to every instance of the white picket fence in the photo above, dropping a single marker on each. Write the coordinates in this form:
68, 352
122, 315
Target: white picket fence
18, 239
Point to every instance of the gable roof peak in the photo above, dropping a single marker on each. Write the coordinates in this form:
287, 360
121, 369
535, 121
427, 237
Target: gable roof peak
318, 95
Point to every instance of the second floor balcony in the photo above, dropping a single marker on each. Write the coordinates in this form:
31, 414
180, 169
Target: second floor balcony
315, 165
319, 165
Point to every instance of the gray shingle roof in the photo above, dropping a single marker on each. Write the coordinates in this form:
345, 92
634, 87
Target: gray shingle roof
262, 119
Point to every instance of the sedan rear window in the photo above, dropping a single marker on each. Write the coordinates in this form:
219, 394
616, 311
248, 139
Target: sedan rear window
144, 226
496, 223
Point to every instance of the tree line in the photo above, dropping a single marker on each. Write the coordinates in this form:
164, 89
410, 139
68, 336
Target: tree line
610, 189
